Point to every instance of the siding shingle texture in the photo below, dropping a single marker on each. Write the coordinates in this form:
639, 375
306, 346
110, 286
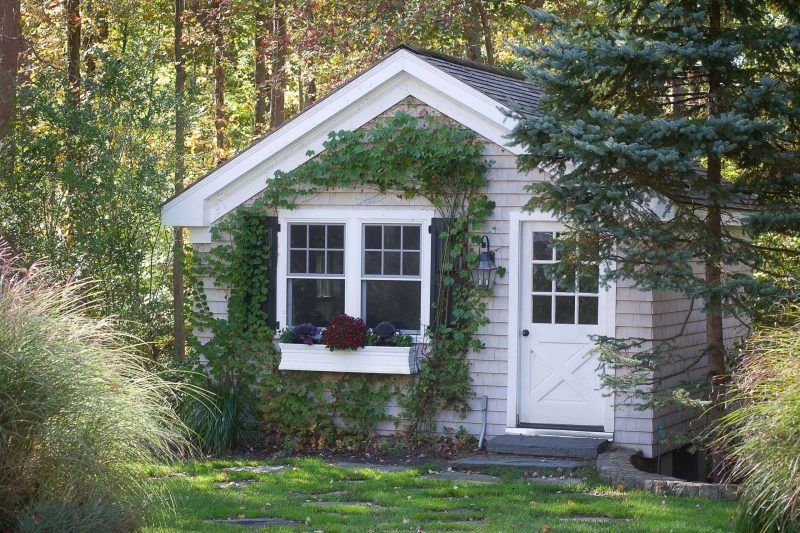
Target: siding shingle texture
638, 313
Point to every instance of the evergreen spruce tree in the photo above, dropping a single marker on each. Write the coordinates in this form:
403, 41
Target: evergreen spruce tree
664, 123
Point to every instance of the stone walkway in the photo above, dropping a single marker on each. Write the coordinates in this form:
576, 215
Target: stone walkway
260, 469
450, 475
370, 466
253, 522
463, 476
517, 461
236, 484
556, 480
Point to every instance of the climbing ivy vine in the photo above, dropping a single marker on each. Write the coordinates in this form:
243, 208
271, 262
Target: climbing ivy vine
401, 155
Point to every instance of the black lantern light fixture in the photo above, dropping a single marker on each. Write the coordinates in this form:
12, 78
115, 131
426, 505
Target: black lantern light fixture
484, 273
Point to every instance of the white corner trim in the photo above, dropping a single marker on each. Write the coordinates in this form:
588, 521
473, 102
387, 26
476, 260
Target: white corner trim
199, 235
400, 75
514, 262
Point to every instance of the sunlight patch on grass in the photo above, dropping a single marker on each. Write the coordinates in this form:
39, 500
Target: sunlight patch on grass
319, 496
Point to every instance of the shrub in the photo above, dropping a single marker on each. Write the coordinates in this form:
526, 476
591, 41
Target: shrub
761, 432
79, 411
345, 333
222, 421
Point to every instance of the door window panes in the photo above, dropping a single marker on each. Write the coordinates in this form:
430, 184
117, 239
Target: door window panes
569, 298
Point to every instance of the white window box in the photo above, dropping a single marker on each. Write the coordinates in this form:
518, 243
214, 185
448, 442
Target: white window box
367, 360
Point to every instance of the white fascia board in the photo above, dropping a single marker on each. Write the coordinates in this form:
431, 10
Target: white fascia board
400, 75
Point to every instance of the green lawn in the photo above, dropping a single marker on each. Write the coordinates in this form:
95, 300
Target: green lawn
406, 501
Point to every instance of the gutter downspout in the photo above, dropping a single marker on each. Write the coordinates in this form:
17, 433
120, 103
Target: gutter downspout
483, 429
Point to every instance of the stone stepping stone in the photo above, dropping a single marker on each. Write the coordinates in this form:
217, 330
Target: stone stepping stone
253, 522
331, 503
316, 495
463, 476
260, 469
370, 466
556, 480
457, 515
235, 484
596, 519
517, 461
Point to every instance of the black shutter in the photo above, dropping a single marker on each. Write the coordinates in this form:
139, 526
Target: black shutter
437, 256
272, 272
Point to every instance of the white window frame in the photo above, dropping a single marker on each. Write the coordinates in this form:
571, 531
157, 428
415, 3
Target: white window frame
354, 220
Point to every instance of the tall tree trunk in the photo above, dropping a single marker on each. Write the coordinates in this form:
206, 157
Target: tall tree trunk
714, 339
311, 91
715, 344
488, 39
261, 79
73, 12
10, 47
472, 31
277, 103
301, 89
220, 122
180, 149
95, 33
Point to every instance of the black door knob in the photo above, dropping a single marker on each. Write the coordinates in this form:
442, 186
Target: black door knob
525, 332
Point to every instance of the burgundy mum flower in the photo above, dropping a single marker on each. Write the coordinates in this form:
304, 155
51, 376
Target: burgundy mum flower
345, 332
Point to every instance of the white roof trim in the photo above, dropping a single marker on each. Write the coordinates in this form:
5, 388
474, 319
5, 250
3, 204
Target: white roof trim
400, 75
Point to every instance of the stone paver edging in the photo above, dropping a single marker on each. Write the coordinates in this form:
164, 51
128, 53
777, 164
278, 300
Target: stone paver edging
615, 467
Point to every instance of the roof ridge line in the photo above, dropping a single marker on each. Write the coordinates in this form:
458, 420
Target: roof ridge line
492, 69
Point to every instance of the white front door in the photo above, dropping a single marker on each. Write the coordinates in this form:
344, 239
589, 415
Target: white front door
559, 383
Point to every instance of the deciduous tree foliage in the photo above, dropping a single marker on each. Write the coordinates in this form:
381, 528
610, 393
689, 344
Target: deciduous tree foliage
121, 104
647, 109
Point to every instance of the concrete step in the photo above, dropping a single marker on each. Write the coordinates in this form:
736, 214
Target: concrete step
516, 461
548, 446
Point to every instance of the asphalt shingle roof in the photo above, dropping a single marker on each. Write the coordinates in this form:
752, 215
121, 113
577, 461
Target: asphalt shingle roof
506, 87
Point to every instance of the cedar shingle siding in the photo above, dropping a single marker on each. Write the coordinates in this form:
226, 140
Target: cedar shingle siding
639, 314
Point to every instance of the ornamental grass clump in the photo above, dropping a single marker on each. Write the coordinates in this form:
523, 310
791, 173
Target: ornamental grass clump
761, 432
79, 412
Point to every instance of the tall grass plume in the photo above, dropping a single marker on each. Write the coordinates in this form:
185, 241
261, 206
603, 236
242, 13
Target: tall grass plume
761, 431
79, 411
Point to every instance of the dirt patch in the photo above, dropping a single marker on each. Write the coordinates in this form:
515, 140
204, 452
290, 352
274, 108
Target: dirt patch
173, 474
388, 449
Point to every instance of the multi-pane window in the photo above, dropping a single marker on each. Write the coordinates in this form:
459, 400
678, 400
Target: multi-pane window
315, 280
570, 299
391, 282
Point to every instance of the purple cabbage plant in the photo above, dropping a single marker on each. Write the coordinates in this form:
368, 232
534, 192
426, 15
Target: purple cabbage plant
304, 333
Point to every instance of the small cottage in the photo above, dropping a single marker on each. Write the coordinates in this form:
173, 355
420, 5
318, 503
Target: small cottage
373, 256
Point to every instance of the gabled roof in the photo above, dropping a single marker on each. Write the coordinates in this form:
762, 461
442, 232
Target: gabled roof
478, 96
507, 87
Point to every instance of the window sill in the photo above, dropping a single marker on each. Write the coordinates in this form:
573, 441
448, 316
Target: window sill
367, 360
